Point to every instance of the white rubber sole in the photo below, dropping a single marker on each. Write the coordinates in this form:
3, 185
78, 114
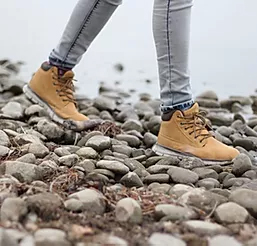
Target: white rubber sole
37, 100
162, 151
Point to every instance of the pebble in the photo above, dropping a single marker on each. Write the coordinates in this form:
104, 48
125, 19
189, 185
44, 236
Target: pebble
190, 163
149, 139
86, 137
131, 179
87, 165
24, 172
50, 130
226, 131
251, 185
53, 237
202, 199
109, 240
220, 119
122, 149
211, 95
92, 200
44, 205
132, 141
105, 172
174, 212
222, 192
104, 103
38, 149
4, 151
13, 209
247, 143
223, 240
141, 172
252, 242
73, 205
182, 176
128, 210
47, 168
132, 125
4, 139
241, 164
87, 152
99, 143
13, 110
208, 183
205, 228
22, 139
206, 173
231, 213
180, 189
27, 241
61, 151
119, 155
169, 161
153, 160
158, 239
245, 198
133, 164
161, 178
68, 160
160, 188
6, 239
250, 174
28, 158
114, 166
35, 109
158, 169
236, 182
154, 124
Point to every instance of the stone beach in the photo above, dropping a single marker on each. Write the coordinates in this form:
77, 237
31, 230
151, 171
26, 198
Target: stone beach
105, 186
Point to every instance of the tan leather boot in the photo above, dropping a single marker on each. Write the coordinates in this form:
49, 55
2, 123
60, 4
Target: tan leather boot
186, 134
54, 93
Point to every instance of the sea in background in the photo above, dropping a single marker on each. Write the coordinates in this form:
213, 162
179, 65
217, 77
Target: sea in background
223, 44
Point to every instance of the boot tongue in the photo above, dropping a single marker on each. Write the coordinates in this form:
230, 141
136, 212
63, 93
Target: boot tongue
68, 74
192, 110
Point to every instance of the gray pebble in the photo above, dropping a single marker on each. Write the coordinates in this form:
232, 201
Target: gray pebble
183, 176
208, 183
206, 173
231, 213
174, 212
68, 160
161, 178
99, 143
114, 166
92, 200
241, 164
131, 179
128, 210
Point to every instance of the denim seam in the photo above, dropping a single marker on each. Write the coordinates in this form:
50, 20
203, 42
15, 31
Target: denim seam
168, 41
87, 18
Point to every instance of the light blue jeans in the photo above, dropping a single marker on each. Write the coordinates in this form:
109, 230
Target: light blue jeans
171, 28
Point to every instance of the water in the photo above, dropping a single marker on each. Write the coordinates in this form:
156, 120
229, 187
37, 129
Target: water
223, 44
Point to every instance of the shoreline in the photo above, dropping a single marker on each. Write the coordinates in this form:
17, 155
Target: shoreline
107, 187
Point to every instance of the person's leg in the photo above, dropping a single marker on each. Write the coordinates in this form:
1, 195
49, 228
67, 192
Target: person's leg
184, 130
52, 85
171, 28
86, 21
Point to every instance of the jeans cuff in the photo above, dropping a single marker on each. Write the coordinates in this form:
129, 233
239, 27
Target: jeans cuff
179, 106
59, 63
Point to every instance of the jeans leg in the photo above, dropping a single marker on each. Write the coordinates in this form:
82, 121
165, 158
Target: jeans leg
86, 21
171, 28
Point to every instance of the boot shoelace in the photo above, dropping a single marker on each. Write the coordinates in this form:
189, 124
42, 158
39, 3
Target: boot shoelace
66, 88
198, 123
